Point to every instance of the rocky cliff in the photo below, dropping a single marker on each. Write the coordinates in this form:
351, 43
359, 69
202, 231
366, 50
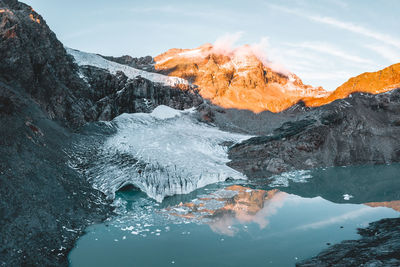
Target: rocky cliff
363, 129
44, 98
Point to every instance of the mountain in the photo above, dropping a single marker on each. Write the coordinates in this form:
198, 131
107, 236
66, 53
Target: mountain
242, 79
370, 82
236, 79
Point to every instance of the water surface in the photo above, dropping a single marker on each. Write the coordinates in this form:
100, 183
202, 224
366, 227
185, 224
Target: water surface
255, 223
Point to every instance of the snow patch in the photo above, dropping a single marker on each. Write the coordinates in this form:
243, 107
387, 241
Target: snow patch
191, 53
164, 112
83, 59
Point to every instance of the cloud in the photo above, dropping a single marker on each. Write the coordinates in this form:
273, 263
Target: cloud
345, 25
331, 50
388, 53
226, 44
338, 219
385, 38
265, 53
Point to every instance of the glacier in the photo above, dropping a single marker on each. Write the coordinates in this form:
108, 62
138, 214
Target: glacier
162, 153
89, 59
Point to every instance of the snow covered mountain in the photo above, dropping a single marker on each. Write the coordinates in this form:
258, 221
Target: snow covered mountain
240, 78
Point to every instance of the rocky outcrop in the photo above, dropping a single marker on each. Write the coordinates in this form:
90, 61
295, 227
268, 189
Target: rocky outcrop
363, 129
33, 58
144, 63
379, 246
113, 95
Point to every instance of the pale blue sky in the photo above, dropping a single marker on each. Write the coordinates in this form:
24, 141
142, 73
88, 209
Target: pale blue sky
324, 42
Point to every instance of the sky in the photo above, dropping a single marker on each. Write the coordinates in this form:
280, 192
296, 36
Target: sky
323, 42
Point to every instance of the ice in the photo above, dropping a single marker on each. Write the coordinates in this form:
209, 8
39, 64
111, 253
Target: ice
282, 180
347, 196
163, 153
164, 112
83, 58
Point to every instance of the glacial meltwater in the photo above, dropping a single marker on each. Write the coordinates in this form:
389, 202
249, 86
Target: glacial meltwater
243, 224
178, 203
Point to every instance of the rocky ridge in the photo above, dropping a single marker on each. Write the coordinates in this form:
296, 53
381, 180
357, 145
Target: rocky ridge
362, 129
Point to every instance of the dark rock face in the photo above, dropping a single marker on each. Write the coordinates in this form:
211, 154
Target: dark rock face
113, 95
378, 246
44, 203
358, 130
144, 63
32, 57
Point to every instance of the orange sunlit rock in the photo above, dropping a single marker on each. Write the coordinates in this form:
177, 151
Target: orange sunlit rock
369, 82
10, 34
34, 19
389, 204
6, 11
239, 79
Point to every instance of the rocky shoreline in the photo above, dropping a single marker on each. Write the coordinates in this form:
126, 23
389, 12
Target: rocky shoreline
379, 245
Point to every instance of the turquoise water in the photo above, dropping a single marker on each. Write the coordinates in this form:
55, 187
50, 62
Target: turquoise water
244, 225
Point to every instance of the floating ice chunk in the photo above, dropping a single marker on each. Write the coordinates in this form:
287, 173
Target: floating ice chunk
282, 180
347, 196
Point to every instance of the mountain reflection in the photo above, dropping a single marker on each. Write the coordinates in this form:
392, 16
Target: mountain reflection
227, 209
395, 205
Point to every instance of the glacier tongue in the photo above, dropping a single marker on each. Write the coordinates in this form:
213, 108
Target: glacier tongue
163, 153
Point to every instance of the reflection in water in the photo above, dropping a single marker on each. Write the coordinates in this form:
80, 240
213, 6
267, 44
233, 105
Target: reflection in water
231, 206
357, 184
337, 219
389, 204
227, 208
